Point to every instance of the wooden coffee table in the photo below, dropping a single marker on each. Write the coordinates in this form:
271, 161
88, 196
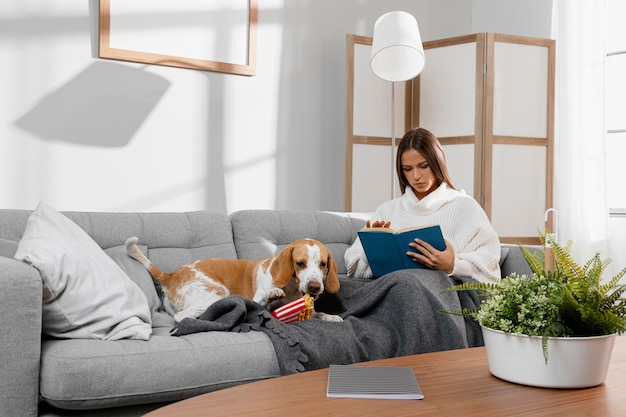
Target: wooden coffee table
455, 383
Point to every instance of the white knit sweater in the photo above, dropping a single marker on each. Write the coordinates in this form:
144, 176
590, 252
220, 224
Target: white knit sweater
463, 223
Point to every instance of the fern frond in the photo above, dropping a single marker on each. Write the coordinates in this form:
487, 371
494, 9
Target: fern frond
595, 267
480, 287
535, 260
613, 304
612, 297
468, 313
613, 282
565, 263
605, 322
554, 330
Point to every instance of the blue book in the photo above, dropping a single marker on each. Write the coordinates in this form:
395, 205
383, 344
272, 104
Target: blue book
386, 248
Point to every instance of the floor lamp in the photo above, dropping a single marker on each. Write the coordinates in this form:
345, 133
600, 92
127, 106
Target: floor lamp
397, 55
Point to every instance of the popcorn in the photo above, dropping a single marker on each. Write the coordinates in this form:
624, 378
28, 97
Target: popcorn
297, 310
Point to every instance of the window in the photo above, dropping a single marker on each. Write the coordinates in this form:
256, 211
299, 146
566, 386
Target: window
616, 105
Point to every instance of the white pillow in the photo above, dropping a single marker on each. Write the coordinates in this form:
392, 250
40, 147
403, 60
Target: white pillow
86, 295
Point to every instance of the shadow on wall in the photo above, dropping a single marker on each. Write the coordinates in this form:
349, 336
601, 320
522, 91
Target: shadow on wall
103, 106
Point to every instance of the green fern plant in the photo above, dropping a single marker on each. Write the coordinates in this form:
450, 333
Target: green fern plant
570, 300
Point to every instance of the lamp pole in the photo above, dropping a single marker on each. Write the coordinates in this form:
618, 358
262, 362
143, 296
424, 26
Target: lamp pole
393, 140
397, 55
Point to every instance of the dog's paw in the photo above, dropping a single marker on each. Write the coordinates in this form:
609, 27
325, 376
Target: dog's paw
327, 317
332, 318
275, 294
181, 315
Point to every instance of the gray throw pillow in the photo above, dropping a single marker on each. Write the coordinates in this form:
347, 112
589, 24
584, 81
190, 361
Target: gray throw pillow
86, 295
144, 281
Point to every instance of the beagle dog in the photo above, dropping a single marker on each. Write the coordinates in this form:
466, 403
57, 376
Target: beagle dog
191, 289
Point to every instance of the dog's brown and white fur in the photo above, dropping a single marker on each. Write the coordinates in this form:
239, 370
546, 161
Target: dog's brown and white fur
188, 291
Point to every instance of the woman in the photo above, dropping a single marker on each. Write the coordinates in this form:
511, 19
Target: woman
473, 248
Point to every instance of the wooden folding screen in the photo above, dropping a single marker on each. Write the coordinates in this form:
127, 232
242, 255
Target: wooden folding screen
489, 98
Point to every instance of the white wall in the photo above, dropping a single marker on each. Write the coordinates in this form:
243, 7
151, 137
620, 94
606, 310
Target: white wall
163, 138
524, 18
89, 134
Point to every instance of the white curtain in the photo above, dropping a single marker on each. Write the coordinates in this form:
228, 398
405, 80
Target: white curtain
580, 174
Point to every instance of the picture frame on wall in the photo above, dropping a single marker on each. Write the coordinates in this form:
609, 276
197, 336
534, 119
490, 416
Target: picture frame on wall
207, 35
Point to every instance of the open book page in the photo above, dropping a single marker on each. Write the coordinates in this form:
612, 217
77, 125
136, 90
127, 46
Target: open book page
390, 230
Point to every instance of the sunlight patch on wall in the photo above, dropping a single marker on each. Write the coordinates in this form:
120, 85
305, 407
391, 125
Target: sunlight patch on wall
251, 142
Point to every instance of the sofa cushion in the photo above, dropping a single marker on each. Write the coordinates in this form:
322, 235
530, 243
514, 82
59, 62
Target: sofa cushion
515, 261
173, 239
504, 253
87, 374
8, 248
263, 233
86, 294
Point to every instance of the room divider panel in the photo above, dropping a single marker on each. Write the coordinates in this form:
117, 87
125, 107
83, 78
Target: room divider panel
489, 98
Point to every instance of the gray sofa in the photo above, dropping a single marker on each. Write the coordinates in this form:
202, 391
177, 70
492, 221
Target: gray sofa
44, 376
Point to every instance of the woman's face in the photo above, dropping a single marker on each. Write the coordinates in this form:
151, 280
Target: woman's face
418, 173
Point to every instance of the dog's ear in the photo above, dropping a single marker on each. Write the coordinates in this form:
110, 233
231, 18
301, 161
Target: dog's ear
282, 267
332, 280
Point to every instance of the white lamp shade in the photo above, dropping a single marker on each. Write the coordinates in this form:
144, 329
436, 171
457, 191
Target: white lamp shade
397, 51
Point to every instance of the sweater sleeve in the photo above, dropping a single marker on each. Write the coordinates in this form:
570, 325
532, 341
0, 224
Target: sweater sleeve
482, 263
477, 248
356, 261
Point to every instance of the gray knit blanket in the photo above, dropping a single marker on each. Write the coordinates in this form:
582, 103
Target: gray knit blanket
395, 315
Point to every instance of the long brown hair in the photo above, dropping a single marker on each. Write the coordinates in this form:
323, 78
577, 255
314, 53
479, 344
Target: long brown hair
426, 143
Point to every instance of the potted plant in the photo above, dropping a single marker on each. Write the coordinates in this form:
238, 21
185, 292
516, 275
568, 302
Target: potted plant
554, 328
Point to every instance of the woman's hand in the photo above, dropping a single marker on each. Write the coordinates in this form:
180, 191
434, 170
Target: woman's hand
433, 258
377, 223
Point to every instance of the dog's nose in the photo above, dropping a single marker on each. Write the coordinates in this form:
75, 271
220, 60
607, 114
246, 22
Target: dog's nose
314, 287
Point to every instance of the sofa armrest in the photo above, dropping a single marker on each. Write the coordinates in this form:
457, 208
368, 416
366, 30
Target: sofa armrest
20, 343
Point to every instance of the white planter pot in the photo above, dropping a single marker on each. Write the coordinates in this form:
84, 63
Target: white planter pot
573, 362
